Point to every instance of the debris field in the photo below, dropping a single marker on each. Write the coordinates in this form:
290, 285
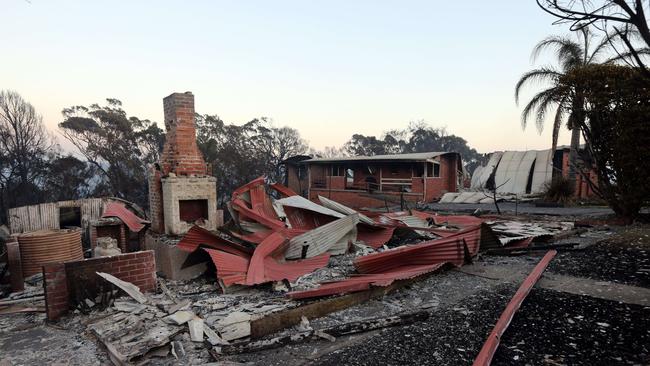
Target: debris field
293, 281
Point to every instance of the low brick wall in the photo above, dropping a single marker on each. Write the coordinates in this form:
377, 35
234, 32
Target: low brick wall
66, 283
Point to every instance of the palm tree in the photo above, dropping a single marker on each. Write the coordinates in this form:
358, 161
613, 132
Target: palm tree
571, 54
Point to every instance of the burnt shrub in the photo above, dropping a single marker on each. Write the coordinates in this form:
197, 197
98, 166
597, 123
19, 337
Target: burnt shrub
559, 190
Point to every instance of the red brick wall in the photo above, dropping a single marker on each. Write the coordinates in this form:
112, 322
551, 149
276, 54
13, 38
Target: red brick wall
437, 186
181, 154
155, 200
582, 190
55, 284
354, 199
62, 281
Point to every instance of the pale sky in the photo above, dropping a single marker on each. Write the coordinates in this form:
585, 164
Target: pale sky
328, 68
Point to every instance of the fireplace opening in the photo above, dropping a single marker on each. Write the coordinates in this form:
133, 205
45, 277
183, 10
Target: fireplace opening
192, 211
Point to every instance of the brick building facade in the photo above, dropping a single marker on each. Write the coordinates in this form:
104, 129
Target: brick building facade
373, 181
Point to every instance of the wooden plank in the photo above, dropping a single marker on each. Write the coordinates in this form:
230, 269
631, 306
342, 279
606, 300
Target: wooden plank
277, 321
331, 332
34, 218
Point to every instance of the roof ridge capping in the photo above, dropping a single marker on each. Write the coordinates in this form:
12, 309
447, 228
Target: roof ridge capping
421, 156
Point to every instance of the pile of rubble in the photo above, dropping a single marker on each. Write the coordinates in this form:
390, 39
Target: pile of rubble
279, 254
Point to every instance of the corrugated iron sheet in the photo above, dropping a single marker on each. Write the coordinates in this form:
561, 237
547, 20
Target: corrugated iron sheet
333, 205
333, 238
199, 237
283, 190
381, 269
116, 209
302, 219
303, 203
236, 264
364, 281
374, 236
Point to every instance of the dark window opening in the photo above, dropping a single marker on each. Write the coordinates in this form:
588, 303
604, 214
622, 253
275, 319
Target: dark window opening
433, 170
193, 210
69, 217
337, 171
394, 170
418, 170
302, 172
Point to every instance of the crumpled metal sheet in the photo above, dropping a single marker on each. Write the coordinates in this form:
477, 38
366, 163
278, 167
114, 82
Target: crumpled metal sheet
382, 269
334, 238
116, 209
198, 236
344, 210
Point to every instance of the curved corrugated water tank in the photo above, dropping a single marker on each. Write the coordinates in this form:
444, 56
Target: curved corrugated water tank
45, 246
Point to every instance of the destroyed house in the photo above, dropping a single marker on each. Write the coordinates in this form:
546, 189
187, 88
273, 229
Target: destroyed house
375, 181
529, 172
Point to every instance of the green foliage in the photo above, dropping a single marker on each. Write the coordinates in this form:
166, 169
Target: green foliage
617, 132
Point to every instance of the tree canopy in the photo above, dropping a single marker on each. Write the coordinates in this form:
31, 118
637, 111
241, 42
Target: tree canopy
417, 137
119, 148
617, 133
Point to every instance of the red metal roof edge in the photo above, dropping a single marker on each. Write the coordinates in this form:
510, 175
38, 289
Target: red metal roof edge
484, 358
116, 209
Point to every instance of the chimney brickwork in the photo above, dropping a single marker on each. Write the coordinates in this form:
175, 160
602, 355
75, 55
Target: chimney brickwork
181, 154
182, 173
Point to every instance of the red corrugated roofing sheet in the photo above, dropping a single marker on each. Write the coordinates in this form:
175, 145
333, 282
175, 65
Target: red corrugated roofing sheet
381, 269
364, 281
198, 236
283, 190
305, 219
265, 264
256, 269
374, 236
116, 209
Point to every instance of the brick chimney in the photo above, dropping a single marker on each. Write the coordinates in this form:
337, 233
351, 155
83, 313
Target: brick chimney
181, 192
181, 154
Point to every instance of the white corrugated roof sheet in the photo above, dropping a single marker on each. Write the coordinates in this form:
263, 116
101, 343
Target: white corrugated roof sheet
424, 156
